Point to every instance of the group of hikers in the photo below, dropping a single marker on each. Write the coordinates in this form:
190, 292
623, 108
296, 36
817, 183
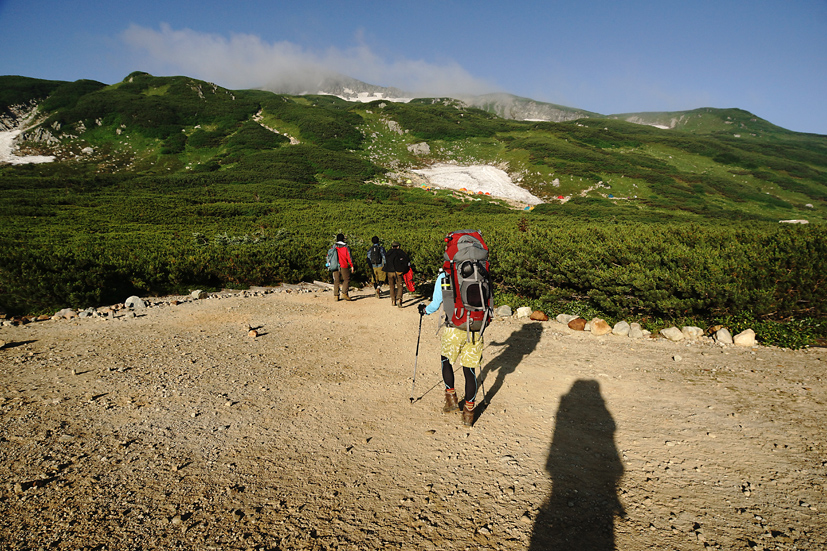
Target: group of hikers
462, 291
392, 266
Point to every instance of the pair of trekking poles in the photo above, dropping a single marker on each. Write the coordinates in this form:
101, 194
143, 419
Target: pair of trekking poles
416, 360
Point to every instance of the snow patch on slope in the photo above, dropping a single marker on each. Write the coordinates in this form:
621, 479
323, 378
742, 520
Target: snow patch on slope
476, 179
7, 155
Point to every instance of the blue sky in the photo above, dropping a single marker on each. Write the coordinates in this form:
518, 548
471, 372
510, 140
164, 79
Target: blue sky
766, 56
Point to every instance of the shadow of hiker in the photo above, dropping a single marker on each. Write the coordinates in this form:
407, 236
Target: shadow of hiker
585, 468
518, 345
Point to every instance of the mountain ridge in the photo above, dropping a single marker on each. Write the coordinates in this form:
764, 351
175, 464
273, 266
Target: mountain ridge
506, 105
502, 104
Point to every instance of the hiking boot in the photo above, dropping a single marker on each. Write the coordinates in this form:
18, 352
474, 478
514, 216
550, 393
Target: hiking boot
451, 403
346, 297
468, 414
335, 298
378, 293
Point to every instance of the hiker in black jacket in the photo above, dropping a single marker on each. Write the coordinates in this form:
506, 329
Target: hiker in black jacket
376, 260
397, 265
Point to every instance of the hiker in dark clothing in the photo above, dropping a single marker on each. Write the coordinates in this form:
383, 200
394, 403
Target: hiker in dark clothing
376, 260
397, 265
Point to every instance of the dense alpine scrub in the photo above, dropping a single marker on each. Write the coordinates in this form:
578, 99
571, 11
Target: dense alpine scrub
100, 253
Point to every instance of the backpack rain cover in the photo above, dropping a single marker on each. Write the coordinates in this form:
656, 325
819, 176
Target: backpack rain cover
466, 295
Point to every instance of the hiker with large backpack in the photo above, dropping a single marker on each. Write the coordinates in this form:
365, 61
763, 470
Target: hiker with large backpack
463, 290
376, 260
340, 263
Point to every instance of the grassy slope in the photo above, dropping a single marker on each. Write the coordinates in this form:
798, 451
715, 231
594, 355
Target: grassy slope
602, 167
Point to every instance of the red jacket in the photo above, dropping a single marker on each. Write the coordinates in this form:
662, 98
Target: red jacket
345, 259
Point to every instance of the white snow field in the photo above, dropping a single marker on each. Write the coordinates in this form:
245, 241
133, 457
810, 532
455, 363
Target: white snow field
476, 179
7, 151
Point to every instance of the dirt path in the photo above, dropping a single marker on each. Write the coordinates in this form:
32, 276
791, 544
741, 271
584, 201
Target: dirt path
178, 430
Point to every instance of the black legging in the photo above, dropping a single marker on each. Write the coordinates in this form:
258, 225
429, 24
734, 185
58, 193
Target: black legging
470, 379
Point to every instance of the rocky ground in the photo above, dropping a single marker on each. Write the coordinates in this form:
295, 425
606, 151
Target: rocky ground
178, 428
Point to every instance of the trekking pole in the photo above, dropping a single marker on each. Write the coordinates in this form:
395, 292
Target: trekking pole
413, 384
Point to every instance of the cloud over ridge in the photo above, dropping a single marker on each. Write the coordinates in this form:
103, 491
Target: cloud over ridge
247, 61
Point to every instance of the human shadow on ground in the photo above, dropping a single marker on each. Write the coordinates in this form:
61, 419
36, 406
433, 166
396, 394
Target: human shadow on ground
517, 346
585, 469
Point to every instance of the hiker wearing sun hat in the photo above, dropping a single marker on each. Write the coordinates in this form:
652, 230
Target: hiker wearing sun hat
397, 264
341, 276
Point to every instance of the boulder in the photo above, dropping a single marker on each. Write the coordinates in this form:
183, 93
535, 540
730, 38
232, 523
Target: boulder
691, 332
88, 313
523, 312
599, 327
723, 336
635, 331
393, 126
198, 294
578, 324
537, 315
503, 311
134, 302
565, 318
421, 148
65, 313
744, 338
621, 329
672, 333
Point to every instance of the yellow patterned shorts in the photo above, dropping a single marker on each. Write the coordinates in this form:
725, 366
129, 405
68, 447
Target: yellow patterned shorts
454, 344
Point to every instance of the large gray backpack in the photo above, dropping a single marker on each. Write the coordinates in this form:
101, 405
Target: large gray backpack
467, 296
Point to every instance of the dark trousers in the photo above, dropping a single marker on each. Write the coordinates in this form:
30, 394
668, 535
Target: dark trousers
341, 277
397, 287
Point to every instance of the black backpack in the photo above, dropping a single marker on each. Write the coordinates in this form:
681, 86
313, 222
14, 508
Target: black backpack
375, 255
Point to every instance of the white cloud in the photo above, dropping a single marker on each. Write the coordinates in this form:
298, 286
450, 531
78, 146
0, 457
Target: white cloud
247, 61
